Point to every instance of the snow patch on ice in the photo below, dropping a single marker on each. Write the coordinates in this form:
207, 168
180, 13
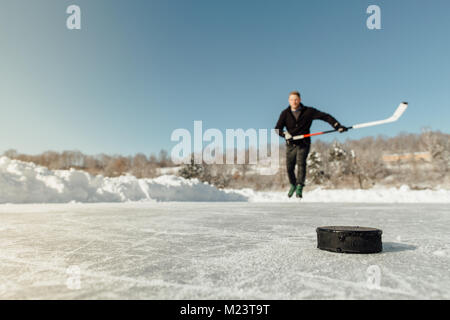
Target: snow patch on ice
377, 195
442, 253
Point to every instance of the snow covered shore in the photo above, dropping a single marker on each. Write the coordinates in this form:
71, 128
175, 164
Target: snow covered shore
24, 182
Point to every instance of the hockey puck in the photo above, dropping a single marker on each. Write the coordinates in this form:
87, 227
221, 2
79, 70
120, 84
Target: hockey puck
349, 239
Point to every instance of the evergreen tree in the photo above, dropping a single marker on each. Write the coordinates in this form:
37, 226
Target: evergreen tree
339, 162
192, 170
337, 153
315, 165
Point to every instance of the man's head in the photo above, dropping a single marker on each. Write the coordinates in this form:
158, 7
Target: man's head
294, 99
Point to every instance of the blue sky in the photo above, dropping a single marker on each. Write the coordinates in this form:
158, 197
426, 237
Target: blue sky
137, 70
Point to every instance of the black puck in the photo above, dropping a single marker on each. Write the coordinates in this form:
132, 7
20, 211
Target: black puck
349, 239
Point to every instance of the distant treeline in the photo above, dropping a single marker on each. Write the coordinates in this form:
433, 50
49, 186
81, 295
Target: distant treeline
139, 165
355, 164
352, 164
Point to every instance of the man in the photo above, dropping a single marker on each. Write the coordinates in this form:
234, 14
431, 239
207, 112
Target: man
297, 119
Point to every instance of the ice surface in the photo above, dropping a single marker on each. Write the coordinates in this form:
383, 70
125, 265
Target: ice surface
237, 250
23, 182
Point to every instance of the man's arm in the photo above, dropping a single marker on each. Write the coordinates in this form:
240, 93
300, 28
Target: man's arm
281, 123
328, 118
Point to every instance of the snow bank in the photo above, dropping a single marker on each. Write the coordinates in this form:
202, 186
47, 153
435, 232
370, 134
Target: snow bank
377, 195
24, 182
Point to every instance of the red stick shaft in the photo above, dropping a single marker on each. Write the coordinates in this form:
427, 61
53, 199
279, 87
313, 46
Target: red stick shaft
312, 134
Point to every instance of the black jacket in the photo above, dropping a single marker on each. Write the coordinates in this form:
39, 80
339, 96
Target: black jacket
303, 124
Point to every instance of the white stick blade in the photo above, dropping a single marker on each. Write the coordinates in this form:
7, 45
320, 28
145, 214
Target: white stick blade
400, 110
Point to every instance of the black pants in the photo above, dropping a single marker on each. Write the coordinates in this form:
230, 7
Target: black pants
296, 155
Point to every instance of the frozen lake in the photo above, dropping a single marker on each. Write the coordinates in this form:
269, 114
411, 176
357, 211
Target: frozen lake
219, 251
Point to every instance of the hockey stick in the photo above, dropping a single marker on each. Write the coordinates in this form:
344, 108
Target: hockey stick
397, 114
